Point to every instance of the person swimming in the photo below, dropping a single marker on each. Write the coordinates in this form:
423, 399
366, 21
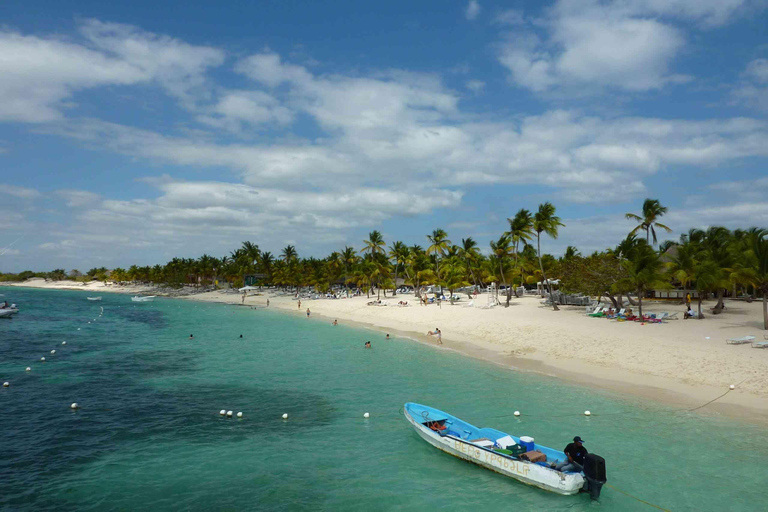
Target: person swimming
190, 336
241, 335
335, 322
387, 336
367, 344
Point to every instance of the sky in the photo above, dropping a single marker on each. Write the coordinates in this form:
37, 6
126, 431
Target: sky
135, 132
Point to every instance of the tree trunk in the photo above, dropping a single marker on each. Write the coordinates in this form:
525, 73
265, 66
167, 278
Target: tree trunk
719, 306
616, 304
544, 276
620, 302
765, 310
631, 302
640, 304
699, 317
394, 292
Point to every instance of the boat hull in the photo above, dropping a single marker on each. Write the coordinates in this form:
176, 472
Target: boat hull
143, 299
93, 298
523, 471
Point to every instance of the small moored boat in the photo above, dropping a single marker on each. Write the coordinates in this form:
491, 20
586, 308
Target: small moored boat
6, 311
148, 298
503, 453
94, 298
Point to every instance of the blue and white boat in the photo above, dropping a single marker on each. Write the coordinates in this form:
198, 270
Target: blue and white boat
481, 446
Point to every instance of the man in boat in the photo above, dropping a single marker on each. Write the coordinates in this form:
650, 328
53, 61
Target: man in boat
575, 453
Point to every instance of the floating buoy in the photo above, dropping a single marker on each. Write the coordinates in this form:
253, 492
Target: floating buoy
223, 412
6, 384
366, 415
78, 328
89, 322
53, 351
74, 405
42, 359
239, 415
517, 413
731, 387
29, 369
229, 414
587, 413
285, 416
63, 342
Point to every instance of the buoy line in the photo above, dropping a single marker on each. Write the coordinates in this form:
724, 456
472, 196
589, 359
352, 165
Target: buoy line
625, 493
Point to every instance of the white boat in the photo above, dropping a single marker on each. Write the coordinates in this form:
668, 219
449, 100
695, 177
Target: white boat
6, 313
94, 298
148, 298
481, 446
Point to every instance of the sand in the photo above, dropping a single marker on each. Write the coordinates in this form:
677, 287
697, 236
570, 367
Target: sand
681, 362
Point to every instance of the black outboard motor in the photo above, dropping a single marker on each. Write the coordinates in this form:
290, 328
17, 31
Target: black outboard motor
594, 471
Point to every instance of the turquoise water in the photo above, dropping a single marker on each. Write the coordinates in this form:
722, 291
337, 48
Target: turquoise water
149, 435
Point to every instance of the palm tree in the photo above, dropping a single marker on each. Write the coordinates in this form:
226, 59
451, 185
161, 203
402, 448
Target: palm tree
375, 243
545, 221
348, 258
501, 250
439, 244
682, 264
644, 268
758, 273
570, 253
398, 251
520, 230
652, 211
289, 254
470, 254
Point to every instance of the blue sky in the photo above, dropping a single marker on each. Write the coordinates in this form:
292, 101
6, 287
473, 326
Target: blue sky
135, 133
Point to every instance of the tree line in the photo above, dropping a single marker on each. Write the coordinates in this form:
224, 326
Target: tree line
713, 261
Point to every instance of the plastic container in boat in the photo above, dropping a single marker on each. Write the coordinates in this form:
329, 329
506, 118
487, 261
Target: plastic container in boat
527, 442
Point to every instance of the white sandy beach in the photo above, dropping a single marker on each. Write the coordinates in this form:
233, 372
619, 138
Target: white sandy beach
682, 362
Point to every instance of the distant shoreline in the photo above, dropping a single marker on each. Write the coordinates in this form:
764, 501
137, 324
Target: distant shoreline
673, 363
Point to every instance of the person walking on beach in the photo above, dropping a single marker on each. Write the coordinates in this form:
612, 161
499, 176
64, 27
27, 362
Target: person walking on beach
267, 302
299, 303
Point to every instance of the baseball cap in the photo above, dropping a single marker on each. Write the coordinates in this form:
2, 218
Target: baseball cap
577, 439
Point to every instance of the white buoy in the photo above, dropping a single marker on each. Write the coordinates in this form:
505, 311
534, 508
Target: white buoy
78, 328
42, 359
63, 342
6, 384
366, 415
229, 414
239, 415
731, 387
53, 351
89, 322
587, 413
222, 412
74, 405
285, 416
517, 413
29, 369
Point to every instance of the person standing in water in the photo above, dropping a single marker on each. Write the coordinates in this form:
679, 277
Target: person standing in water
307, 312
335, 322
299, 303
267, 302
437, 332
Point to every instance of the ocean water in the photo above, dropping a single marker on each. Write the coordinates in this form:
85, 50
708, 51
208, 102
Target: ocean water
148, 434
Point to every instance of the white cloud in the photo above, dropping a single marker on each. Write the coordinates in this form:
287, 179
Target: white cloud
78, 198
510, 17
41, 73
749, 190
475, 86
594, 44
752, 91
238, 110
472, 10
20, 192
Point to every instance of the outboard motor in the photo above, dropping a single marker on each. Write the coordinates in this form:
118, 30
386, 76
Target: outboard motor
594, 471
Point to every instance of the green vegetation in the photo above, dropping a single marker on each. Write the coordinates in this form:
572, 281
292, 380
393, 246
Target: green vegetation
712, 261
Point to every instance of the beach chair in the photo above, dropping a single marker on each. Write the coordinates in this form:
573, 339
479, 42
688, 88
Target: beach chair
760, 344
740, 341
672, 316
599, 312
590, 311
659, 318
469, 304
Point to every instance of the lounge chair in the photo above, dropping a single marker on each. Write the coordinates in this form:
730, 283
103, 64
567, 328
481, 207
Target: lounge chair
740, 341
760, 344
599, 312
672, 316
469, 304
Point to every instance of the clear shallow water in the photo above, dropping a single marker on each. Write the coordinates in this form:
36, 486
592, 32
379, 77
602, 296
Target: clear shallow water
149, 433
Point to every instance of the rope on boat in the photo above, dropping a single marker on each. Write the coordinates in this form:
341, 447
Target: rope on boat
625, 493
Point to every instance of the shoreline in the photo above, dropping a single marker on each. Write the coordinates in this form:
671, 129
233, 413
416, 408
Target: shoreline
685, 390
